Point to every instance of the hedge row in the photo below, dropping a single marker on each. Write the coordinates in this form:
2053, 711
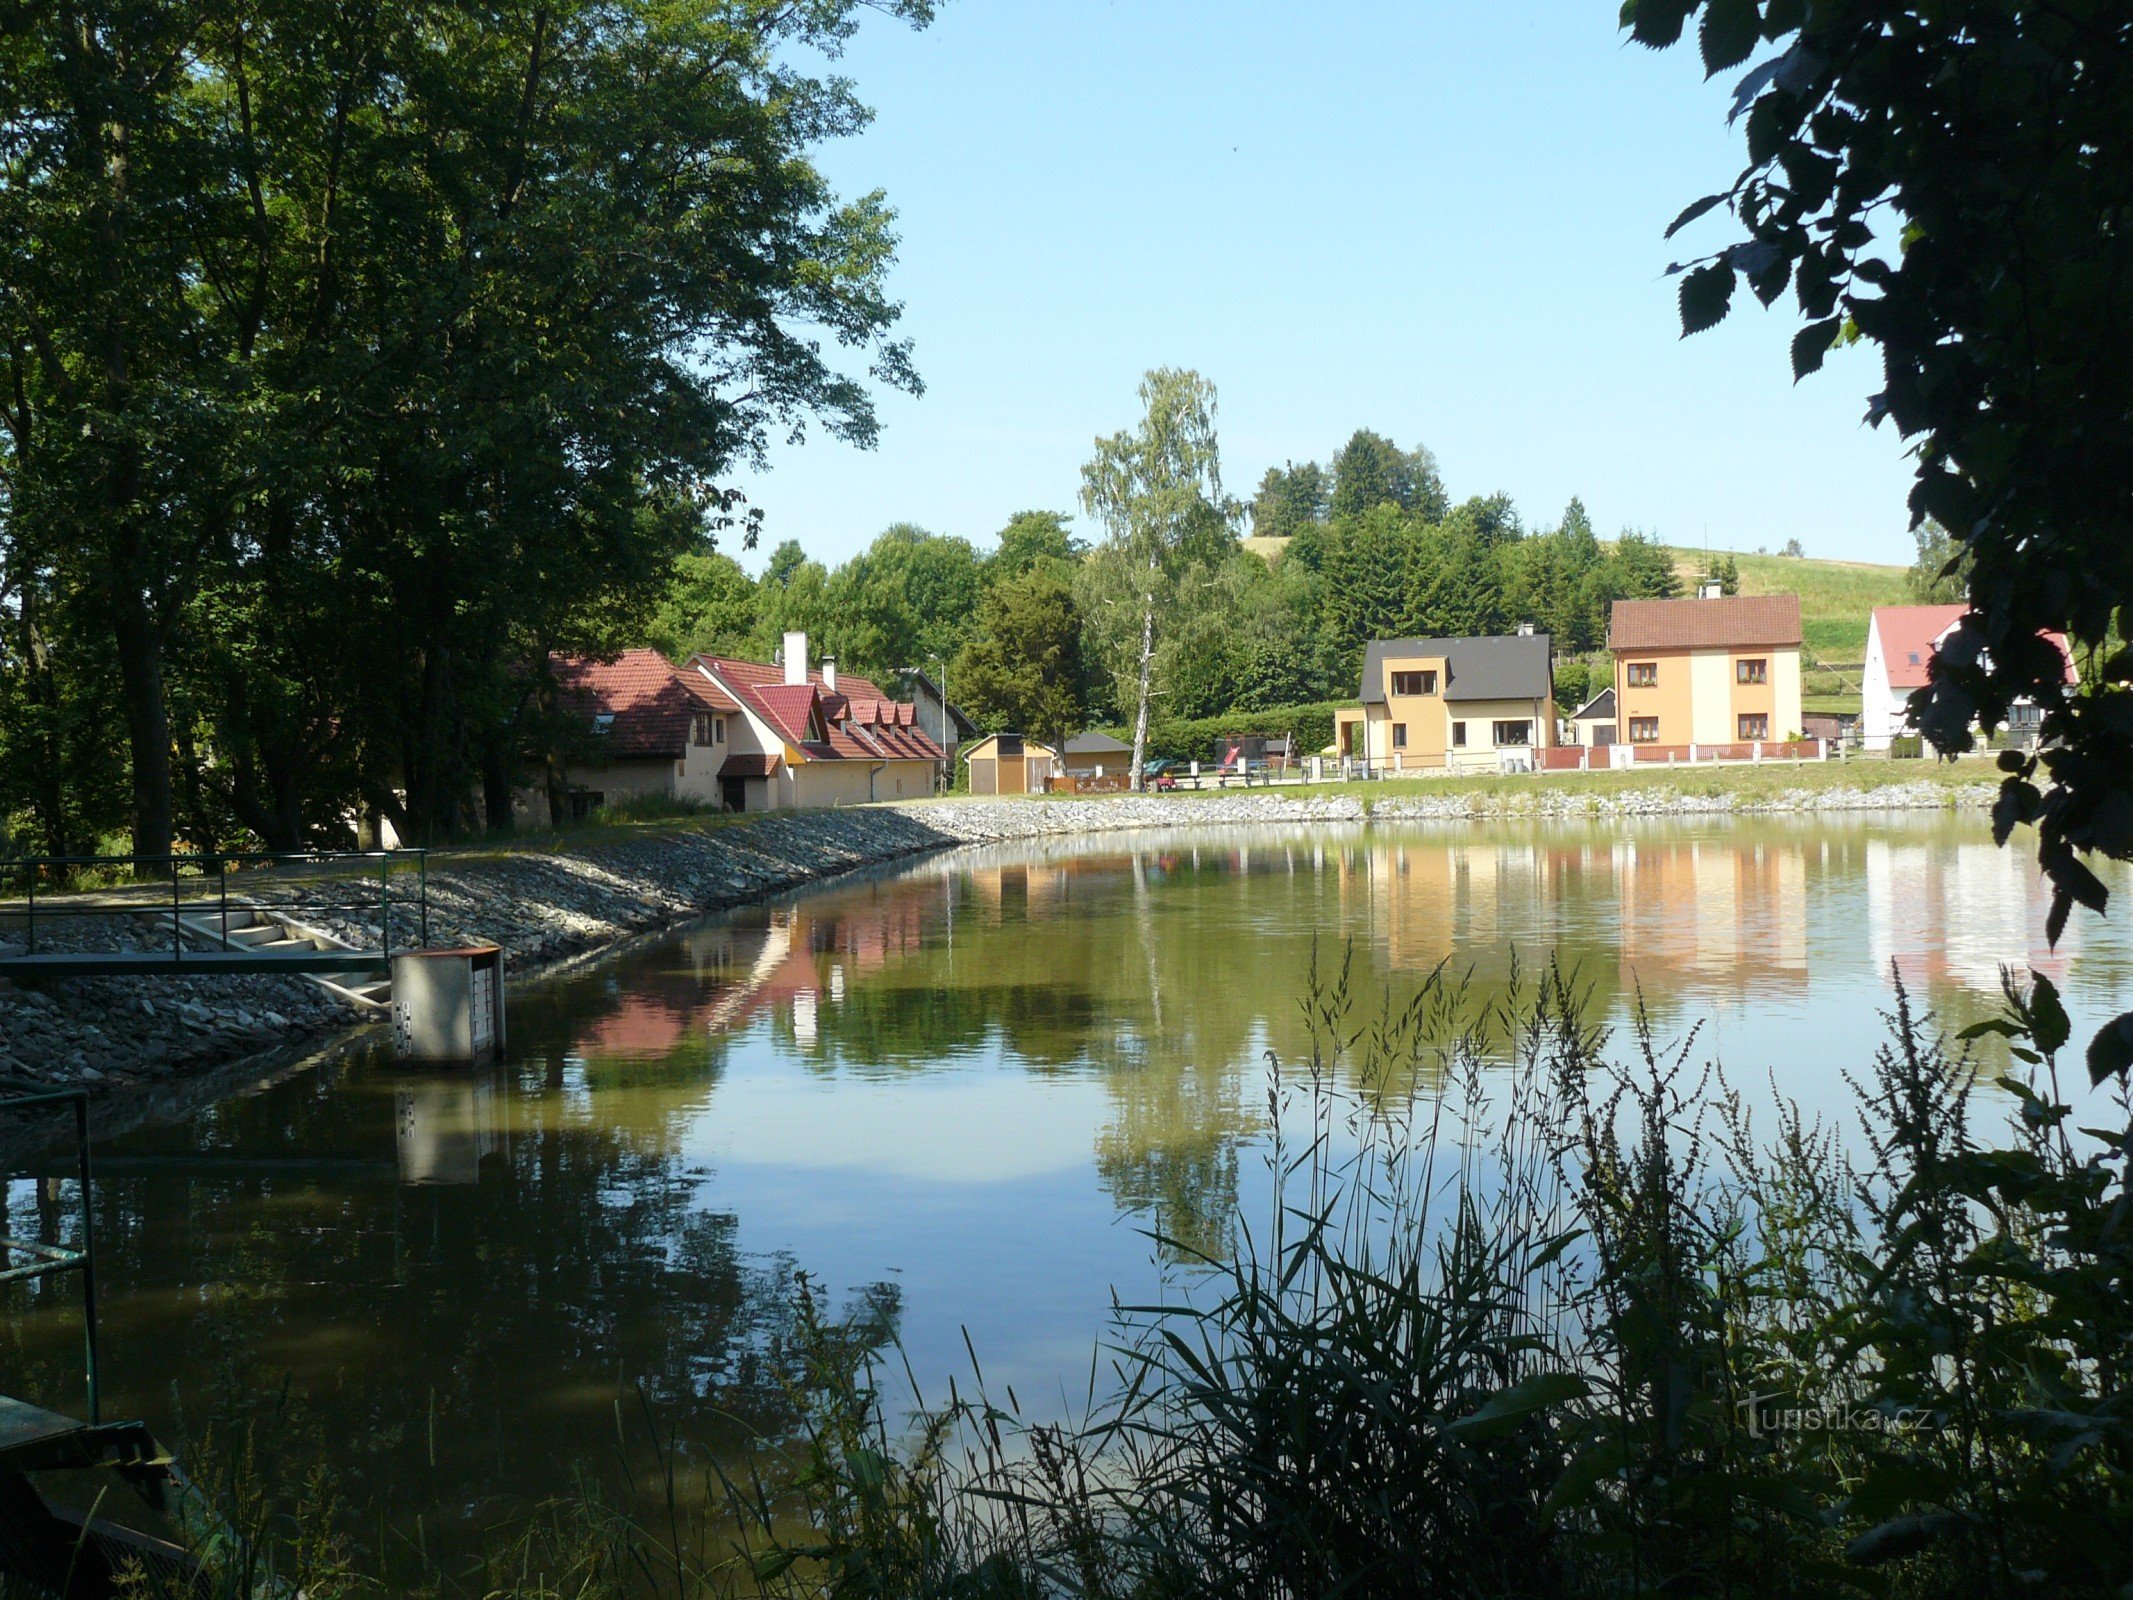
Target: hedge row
1199, 738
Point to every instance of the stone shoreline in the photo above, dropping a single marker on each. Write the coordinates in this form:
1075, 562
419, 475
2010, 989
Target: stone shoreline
548, 907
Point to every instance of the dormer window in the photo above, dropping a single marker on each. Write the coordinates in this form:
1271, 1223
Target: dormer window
603, 722
1414, 683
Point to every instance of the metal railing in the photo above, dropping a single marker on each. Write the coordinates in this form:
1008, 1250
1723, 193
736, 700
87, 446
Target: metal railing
47, 1260
207, 875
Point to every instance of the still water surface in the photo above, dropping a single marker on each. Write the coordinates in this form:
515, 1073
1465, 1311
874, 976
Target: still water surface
955, 1098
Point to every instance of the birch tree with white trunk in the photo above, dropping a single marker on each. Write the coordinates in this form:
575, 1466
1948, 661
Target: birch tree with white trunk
1156, 490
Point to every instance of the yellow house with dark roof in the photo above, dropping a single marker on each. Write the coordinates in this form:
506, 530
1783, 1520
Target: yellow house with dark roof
1450, 705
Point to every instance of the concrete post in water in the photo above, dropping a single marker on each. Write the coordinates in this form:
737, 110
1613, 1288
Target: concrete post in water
448, 1005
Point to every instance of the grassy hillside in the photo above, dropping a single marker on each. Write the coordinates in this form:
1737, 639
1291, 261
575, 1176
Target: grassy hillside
1835, 596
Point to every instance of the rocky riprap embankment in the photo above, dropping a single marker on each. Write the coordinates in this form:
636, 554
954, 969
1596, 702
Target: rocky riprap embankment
545, 906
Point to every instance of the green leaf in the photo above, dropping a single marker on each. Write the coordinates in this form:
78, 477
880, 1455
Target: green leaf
1729, 31
1503, 1412
2111, 1051
1811, 344
2049, 1026
1705, 294
1691, 213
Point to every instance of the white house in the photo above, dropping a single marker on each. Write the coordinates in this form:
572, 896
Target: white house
1900, 644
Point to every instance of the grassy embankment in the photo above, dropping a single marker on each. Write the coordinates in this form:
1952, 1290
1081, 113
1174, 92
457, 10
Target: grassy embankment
1746, 781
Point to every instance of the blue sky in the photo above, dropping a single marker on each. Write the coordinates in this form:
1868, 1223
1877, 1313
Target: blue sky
1440, 221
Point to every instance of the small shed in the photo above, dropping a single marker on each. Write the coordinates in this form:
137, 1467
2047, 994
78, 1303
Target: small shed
1089, 753
1008, 763
1595, 720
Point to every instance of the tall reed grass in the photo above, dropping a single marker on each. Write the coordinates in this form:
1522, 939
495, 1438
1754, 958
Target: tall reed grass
1531, 1312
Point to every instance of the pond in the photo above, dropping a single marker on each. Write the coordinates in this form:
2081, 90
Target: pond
957, 1098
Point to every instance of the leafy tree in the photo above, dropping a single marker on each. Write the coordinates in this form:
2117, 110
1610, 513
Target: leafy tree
1937, 575
1023, 669
1029, 538
1950, 182
1794, 549
908, 596
709, 608
359, 357
1370, 470
1289, 497
1157, 490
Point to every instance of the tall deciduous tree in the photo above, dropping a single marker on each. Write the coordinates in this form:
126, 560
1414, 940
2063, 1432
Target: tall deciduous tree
1951, 182
360, 356
1157, 491
1032, 538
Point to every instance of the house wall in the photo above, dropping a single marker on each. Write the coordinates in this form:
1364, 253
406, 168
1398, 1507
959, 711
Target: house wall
1882, 710
1698, 698
1480, 718
1428, 726
697, 776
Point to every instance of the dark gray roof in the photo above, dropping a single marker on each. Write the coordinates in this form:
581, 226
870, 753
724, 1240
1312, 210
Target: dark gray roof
1097, 744
1510, 666
1601, 705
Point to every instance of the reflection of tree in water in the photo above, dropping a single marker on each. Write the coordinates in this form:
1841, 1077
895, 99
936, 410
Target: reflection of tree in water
456, 1347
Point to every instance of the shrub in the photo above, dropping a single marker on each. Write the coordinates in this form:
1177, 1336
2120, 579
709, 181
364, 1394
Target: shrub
1906, 747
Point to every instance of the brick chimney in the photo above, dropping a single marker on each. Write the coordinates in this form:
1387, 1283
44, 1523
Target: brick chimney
795, 658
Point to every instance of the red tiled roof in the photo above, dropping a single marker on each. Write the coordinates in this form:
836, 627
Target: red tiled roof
1738, 621
862, 723
653, 709
743, 764
1909, 635
707, 691
789, 707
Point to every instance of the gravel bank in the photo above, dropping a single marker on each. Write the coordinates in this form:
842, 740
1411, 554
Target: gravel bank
111, 1033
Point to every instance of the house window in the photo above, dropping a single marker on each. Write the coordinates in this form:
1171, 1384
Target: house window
1399, 736
1751, 671
1752, 727
1458, 733
1642, 674
1514, 733
1414, 683
718, 730
1643, 730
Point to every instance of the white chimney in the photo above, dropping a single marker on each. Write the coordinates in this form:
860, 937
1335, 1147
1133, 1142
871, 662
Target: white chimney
829, 673
795, 658
1525, 630
1710, 589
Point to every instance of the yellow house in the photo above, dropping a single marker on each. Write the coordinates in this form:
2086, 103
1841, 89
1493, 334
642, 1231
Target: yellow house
1450, 705
1715, 670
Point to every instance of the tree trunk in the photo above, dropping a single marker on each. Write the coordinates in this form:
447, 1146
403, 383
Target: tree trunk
496, 791
140, 664
1140, 716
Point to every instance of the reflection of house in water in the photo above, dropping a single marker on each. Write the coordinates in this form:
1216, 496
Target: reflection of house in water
1717, 908
1954, 914
445, 1127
